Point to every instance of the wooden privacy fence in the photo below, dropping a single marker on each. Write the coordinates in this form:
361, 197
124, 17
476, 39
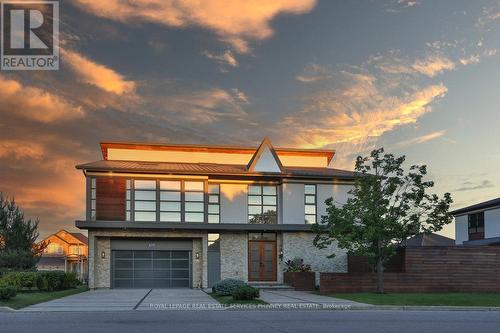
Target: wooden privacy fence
428, 269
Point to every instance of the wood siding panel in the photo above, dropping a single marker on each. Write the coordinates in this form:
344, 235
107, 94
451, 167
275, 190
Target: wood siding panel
428, 269
110, 198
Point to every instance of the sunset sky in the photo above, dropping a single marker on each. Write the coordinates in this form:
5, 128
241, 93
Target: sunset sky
420, 78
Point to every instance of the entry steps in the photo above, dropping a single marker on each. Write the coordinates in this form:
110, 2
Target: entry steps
271, 286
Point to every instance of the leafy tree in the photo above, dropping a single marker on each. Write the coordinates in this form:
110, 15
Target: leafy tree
18, 246
386, 206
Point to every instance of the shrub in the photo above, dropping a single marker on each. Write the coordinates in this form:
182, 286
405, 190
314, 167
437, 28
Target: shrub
297, 265
10, 279
55, 279
7, 292
245, 293
226, 286
41, 282
70, 280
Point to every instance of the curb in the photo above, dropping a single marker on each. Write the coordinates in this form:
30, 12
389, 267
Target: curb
7, 309
428, 308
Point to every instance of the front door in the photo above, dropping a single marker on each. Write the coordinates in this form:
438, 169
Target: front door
262, 260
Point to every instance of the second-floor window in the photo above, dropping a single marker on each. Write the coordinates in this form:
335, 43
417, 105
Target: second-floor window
169, 201
310, 203
213, 203
54, 248
476, 226
262, 204
145, 200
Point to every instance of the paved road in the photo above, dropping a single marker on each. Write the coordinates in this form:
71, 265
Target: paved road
252, 321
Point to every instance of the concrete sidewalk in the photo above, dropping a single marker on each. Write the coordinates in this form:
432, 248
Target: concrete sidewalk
303, 298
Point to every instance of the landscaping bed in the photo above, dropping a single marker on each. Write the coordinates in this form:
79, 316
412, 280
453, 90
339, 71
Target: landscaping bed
26, 298
234, 291
423, 299
228, 300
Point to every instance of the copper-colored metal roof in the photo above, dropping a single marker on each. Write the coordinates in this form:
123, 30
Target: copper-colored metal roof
209, 169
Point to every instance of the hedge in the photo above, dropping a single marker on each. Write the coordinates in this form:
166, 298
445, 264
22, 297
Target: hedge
41, 280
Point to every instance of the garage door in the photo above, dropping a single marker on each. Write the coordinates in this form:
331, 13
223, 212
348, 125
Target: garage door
151, 269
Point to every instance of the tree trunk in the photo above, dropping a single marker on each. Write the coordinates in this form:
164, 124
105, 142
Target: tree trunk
380, 276
380, 271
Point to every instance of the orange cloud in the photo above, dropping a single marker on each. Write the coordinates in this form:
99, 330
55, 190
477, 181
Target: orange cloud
207, 106
226, 58
235, 22
21, 150
356, 107
97, 74
433, 65
34, 103
421, 139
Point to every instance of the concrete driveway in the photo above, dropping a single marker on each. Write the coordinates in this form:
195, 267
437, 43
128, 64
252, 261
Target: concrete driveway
126, 300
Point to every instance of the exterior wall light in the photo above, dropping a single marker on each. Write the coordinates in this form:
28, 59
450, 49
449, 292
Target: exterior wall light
197, 255
103, 255
280, 255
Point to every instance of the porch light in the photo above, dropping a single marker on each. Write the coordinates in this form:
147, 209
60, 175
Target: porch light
280, 255
103, 255
197, 255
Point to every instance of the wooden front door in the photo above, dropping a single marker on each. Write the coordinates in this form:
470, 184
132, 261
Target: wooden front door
262, 261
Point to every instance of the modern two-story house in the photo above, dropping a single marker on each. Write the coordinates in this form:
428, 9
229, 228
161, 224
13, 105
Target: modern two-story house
187, 216
478, 224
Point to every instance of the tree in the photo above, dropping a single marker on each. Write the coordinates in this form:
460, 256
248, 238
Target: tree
18, 246
386, 206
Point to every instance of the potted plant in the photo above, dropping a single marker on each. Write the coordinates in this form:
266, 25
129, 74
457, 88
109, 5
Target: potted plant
299, 275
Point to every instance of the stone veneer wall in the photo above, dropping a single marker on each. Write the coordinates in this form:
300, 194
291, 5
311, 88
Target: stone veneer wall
300, 244
234, 255
100, 269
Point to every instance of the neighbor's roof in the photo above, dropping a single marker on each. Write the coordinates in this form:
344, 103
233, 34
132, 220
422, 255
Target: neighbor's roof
81, 237
429, 239
209, 169
479, 206
329, 153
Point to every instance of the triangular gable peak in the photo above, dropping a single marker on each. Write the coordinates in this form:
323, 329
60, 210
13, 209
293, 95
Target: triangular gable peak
265, 159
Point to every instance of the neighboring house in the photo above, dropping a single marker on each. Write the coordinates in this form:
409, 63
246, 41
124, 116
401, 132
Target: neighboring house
66, 251
428, 239
164, 215
478, 224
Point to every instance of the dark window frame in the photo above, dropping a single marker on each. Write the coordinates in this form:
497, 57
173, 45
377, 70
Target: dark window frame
315, 205
262, 205
475, 225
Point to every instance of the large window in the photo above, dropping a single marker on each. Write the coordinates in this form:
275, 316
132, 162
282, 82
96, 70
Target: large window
166, 200
54, 248
93, 187
262, 204
170, 201
213, 203
310, 203
128, 200
194, 203
145, 200
476, 226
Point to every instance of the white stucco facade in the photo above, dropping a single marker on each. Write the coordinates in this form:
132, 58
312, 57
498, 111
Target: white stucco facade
491, 225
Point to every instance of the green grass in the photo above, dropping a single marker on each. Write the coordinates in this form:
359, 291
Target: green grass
26, 298
228, 300
424, 299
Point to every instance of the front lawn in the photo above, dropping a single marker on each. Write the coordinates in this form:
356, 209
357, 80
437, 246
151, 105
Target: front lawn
425, 299
228, 300
26, 298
